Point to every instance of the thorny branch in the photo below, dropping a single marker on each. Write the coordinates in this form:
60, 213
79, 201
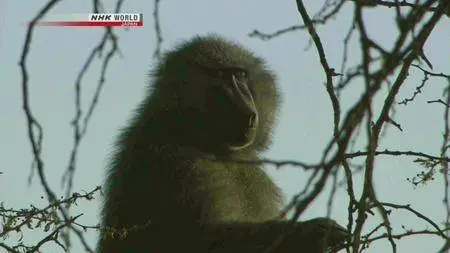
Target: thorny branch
35, 130
401, 57
80, 126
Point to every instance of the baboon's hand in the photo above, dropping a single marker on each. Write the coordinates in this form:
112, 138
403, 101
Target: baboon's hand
327, 234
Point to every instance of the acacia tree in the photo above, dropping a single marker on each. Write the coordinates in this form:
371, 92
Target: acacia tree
381, 72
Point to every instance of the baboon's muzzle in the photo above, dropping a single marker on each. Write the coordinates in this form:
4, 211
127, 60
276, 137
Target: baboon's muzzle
243, 114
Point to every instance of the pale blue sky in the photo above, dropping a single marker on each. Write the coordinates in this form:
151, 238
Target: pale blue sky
304, 126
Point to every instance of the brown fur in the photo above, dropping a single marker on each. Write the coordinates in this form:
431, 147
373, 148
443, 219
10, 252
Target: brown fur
166, 183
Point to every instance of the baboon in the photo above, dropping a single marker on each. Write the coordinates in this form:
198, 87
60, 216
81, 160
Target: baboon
172, 185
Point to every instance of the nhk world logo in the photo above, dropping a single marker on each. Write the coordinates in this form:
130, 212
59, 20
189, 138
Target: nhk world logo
94, 20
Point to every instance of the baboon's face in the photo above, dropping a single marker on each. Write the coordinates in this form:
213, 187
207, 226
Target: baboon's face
230, 110
216, 96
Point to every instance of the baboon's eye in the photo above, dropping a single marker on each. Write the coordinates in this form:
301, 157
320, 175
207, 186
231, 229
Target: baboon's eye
238, 73
241, 74
226, 72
